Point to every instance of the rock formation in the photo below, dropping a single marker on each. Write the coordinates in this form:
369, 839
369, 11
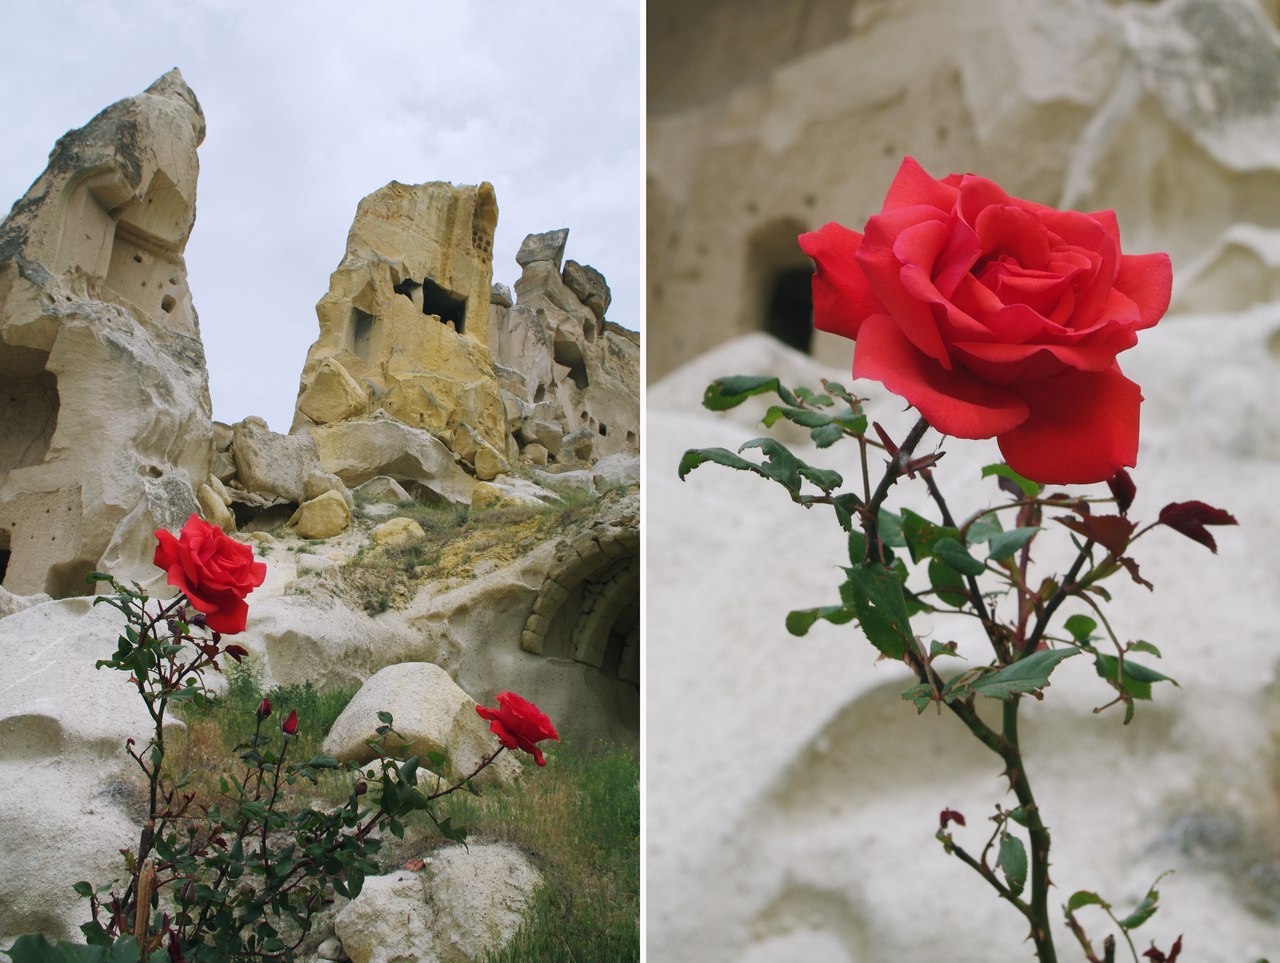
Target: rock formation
571, 378
403, 328
104, 403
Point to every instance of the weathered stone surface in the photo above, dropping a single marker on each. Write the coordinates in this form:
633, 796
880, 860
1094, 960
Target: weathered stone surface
382, 489
467, 903
357, 451
105, 423
489, 463
578, 480
431, 711
406, 314
548, 246
501, 295
615, 470
270, 464
214, 509
493, 494
535, 454
63, 726
319, 482
580, 373
333, 395
398, 533
589, 285
324, 516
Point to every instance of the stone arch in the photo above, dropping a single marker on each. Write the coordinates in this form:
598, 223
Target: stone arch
783, 299
598, 572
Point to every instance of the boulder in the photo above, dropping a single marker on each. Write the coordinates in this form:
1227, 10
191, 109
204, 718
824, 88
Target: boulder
270, 464
429, 710
105, 428
467, 903
589, 286
548, 246
613, 471
494, 494
577, 481
489, 463
324, 516
398, 533
382, 489
214, 509
333, 395
319, 482
501, 295
356, 451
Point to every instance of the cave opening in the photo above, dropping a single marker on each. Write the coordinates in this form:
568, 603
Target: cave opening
361, 332
789, 316
449, 307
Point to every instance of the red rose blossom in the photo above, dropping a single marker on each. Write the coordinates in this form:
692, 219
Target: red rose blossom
519, 724
996, 318
213, 571
290, 725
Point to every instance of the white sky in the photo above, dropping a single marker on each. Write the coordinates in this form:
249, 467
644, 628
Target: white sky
312, 105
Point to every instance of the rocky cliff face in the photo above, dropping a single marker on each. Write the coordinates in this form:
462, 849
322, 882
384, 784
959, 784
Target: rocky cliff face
104, 402
404, 325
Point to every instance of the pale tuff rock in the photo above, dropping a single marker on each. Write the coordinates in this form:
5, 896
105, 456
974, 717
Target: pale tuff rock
272, 465
465, 903
565, 370
104, 414
215, 509
403, 327
428, 709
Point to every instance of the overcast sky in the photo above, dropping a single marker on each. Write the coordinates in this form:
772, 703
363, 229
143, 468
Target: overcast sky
312, 105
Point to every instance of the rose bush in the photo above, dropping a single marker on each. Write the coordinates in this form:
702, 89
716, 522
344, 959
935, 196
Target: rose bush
996, 318
519, 724
213, 571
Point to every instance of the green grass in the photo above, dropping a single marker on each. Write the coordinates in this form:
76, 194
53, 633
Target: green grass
580, 818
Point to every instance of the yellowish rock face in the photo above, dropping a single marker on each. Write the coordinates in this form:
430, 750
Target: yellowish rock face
404, 325
322, 517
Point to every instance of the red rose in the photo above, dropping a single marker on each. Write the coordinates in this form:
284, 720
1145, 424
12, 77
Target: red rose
290, 725
213, 571
996, 318
518, 724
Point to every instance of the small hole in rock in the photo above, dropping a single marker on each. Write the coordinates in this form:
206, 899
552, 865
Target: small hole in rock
167, 303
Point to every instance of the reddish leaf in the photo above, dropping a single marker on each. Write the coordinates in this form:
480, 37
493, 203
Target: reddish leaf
1112, 532
236, 652
1132, 568
950, 816
1190, 519
1157, 957
1123, 488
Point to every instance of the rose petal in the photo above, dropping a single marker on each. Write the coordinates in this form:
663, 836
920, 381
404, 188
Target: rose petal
1082, 427
1147, 279
841, 295
912, 186
953, 402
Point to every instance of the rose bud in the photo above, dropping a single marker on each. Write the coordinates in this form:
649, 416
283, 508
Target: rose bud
361, 788
188, 894
290, 726
264, 708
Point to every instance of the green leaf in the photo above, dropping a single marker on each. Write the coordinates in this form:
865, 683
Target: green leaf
948, 583
826, 435
801, 621
803, 417
983, 528
1143, 646
876, 594
385, 717
1081, 628
1007, 543
921, 534
937, 649
725, 393
719, 456
1013, 862
1137, 678
1030, 489
1083, 898
787, 470
921, 695
957, 556
890, 529
1026, 675
1144, 911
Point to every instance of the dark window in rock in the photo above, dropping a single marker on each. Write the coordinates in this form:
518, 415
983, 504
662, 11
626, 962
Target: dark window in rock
361, 332
443, 303
4, 554
603, 429
540, 395
790, 313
